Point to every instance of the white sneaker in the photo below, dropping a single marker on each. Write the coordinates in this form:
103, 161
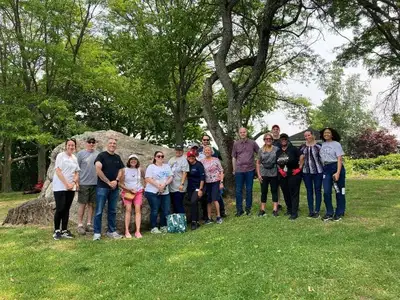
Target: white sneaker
164, 229
114, 235
155, 230
96, 237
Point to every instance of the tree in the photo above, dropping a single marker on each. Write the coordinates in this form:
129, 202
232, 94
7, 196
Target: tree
344, 108
260, 38
371, 143
376, 30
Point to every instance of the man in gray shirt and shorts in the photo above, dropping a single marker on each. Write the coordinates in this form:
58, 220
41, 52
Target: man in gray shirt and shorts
88, 182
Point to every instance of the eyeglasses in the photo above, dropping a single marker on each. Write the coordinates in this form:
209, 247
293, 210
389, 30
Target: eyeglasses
160, 156
206, 140
267, 139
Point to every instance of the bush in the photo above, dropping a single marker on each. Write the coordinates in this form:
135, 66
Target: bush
381, 166
371, 143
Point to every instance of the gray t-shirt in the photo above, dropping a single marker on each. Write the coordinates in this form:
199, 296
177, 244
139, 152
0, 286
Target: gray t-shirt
330, 151
268, 162
88, 174
178, 166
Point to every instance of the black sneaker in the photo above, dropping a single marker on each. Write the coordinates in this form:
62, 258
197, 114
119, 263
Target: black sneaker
262, 213
223, 215
279, 207
327, 218
293, 217
194, 226
275, 213
67, 234
337, 218
239, 214
57, 235
208, 221
248, 212
316, 215
310, 215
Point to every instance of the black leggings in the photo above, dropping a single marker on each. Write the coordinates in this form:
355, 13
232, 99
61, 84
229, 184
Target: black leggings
273, 183
194, 205
290, 186
63, 204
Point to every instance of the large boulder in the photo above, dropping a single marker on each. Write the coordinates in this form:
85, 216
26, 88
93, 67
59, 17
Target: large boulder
41, 210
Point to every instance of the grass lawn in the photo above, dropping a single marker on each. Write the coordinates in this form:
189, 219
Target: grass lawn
244, 258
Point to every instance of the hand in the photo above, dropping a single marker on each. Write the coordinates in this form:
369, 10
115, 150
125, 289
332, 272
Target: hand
161, 188
113, 184
70, 186
200, 193
181, 188
260, 179
233, 172
77, 186
336, 176
296, 171
283, 173
221, 185
133, 191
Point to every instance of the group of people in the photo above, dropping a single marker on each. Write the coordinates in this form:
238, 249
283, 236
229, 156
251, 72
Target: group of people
102, 178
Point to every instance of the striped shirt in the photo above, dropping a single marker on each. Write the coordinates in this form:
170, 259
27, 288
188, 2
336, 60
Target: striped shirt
312, 160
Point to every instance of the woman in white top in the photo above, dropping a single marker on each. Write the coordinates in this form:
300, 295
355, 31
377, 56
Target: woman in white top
132, 193
65, 183
158, 176
331, 154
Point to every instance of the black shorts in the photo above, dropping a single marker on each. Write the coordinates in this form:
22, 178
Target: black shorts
212, 190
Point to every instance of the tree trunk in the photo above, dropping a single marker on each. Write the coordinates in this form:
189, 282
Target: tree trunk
42, 155
6, 172
179, 131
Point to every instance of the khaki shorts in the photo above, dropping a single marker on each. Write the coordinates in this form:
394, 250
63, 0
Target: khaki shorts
87, 194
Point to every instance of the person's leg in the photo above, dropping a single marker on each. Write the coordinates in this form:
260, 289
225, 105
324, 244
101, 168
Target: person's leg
215, 196
283, 181
318, 191
264, 192
239, 180
165, 209
154, 203
138, 202
249, 180
294, 188
59, 198
128, 212
83, 198
308, 182
274, 192
327, 184
194, 206
90, 206
221, 203
69, 197
203, 202
179, 208
341, 197
113, 197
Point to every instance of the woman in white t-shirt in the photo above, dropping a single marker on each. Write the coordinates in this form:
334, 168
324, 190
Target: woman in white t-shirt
132, 193
331, 154
158, 176
65, 183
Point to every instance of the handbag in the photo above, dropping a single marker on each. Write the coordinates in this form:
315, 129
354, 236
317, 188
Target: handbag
176, 223
128, 195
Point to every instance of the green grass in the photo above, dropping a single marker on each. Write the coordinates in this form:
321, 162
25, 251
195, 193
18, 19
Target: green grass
13, 199
244, 258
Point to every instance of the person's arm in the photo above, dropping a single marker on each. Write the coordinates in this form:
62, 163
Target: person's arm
301, 162
184, 175
258, 170
60, 175
339, 167
100, 173
121, 182
234, 159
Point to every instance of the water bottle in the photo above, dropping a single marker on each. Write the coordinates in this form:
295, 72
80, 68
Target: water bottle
335, 185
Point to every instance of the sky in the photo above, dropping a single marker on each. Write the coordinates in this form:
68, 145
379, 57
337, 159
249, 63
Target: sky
325, 47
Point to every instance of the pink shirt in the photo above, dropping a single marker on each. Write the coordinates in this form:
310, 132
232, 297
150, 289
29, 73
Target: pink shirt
243, 151
212, 168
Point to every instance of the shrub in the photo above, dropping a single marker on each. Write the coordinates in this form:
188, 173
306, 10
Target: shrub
382, 166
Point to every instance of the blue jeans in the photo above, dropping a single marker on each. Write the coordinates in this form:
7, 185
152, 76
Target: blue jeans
102, 195
313, 183
177, 202
156, 202
244, 178
327, 182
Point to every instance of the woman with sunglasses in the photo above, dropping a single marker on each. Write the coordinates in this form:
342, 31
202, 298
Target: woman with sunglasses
312, 173
331, 154
290, 163
158, 176
65, 183
267, 173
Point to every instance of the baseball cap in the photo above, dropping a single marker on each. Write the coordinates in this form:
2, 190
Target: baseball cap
275, 126
193, 145
179, 148
284, 136
91, 139
191, 153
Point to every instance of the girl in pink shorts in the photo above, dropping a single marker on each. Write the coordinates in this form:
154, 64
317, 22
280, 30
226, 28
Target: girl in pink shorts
131, 183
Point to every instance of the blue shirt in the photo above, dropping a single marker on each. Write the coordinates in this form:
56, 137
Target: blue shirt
195, 176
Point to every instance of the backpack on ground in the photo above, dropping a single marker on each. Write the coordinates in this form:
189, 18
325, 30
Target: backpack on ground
176, 223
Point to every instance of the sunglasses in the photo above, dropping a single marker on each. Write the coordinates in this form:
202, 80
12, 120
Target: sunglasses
91, 142
160, 156
267, 139
206, 140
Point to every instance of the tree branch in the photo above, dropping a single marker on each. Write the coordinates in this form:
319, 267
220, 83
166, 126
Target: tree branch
23, 157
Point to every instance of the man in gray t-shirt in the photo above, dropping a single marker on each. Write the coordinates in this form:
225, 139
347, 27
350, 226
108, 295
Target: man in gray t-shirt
88, 182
